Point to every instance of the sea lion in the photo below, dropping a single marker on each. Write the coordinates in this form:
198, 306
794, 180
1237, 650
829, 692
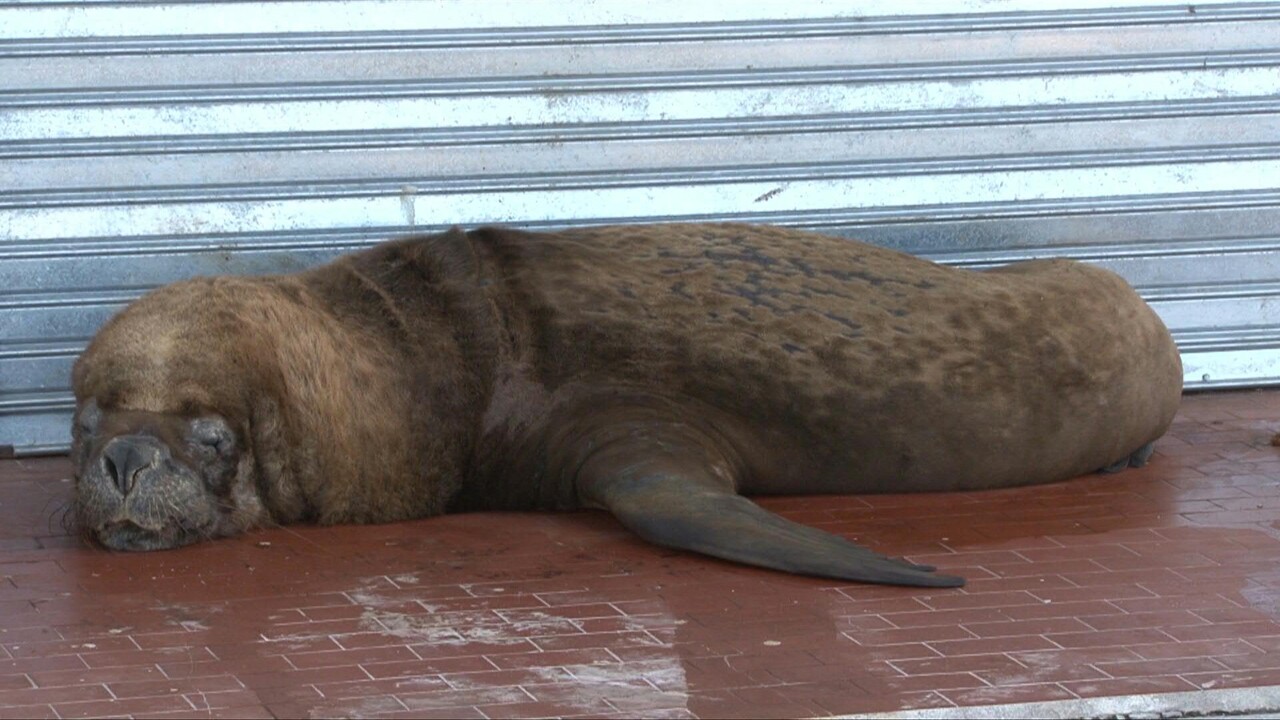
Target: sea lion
660, 372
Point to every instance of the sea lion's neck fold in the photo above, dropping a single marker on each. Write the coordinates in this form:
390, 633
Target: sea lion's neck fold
387, 359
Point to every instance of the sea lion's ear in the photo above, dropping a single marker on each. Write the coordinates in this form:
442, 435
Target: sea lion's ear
661, 483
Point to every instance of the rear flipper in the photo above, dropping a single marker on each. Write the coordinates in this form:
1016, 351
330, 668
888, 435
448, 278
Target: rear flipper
1136, 459
1142, 455
674, 512
668, 486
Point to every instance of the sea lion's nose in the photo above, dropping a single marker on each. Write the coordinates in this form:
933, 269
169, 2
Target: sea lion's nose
126, 455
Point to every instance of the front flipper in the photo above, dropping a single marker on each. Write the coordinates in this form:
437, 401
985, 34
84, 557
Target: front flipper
1138, 458
670, 489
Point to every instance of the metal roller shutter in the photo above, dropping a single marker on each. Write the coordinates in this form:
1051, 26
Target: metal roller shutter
143, 143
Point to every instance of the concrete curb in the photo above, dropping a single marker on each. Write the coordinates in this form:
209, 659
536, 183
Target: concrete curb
1258, 703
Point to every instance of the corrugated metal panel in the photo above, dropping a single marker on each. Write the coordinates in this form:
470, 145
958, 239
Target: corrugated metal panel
142, 143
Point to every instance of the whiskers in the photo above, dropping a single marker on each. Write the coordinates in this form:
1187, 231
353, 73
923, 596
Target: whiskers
68, 522
61, 519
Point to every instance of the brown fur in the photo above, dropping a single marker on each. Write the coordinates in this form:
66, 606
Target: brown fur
462, 370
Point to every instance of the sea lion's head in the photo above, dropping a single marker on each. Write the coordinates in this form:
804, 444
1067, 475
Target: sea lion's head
161, 444
155, 480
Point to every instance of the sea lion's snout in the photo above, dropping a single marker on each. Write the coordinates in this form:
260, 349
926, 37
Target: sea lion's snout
132, 494
152, 481
125, 457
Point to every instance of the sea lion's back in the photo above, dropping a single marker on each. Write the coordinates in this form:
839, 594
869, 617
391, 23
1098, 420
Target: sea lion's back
881, 370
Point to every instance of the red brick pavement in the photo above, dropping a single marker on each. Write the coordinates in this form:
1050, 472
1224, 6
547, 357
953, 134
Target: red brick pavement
1162, 579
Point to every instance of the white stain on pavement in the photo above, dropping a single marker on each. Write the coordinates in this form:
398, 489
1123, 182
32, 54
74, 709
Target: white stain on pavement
643, 676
